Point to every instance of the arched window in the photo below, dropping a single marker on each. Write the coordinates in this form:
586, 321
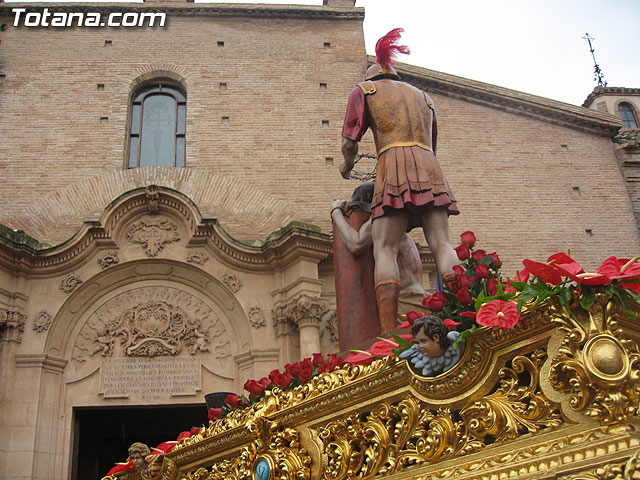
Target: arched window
157, 133
628, 117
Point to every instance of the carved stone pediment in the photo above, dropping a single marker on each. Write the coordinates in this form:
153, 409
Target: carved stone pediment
150, 322
153, 232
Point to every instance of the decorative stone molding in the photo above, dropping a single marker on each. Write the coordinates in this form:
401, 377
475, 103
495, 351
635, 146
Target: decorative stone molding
199, 257
12, 325
42, 322
232, 282
153, 232
332, 325
149, 322
256, 317
110, 258
70, 282
305, 310
152, 194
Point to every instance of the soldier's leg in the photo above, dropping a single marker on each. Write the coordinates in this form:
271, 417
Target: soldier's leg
435, 224
387, 233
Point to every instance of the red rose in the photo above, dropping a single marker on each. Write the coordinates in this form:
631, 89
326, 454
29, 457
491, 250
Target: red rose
194, 431
280, 380
458, 270
496, 259
333, 362
468, 238
306, 371
233, 401
317, 359
482, 271
254, 388
492, 286
292, 369
498, 313
463, 282
305, 363
478, 255
463, 296
451, 323
435, 302
463, 251
413, 316
214, 413
265, 382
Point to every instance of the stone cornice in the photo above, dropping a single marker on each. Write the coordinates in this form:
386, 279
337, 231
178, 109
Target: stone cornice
512, 101
200, 9
603, 91
292, 241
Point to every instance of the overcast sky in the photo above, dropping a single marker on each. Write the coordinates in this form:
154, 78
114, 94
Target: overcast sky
534, 46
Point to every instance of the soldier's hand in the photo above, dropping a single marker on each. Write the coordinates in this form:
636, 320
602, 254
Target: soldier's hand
337, 203
345, 169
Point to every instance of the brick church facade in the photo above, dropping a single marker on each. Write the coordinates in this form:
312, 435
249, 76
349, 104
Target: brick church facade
135, 278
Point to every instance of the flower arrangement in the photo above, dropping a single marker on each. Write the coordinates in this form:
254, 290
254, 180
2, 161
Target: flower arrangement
475, 294
294, 374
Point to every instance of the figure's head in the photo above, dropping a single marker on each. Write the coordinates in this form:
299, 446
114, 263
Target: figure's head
378, 72
431, 334
363, 192
137, 452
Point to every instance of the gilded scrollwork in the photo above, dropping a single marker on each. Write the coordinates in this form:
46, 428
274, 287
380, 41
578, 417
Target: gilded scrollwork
513, 408
279, 447
594, 364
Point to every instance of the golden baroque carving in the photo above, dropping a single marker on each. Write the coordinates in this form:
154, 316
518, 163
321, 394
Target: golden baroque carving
153, 232
278, 448
395, 436
594, 364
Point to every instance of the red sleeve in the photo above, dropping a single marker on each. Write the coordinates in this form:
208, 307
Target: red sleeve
355, 120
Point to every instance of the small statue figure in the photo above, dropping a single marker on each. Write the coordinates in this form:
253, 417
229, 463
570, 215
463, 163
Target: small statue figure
357, 241
200, 343
434, 352
137, 453
104, 341
154, 465
410, 188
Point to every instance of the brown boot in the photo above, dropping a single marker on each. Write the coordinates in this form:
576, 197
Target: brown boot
387, 293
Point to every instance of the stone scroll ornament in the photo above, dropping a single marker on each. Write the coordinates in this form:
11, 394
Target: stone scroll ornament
70, 282
12, 325
152, 322
110, 258
153, 232
42, 322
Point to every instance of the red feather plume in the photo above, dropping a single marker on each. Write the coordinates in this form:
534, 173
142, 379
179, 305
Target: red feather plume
387, 49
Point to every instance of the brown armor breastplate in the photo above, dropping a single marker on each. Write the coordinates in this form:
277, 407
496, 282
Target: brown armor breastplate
400, 115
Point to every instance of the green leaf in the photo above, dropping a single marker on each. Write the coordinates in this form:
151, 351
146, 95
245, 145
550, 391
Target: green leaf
403, 342
463, 336
564, 298
518, 285
588, 296
486, 260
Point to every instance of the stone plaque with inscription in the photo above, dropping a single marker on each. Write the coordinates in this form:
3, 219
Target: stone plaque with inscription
150, 379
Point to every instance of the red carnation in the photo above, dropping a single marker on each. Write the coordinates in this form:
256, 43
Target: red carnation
478, 255
463, 251
498, 313
482, 271
435, 302
468, 238
214, 413
233, 401
463, 296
